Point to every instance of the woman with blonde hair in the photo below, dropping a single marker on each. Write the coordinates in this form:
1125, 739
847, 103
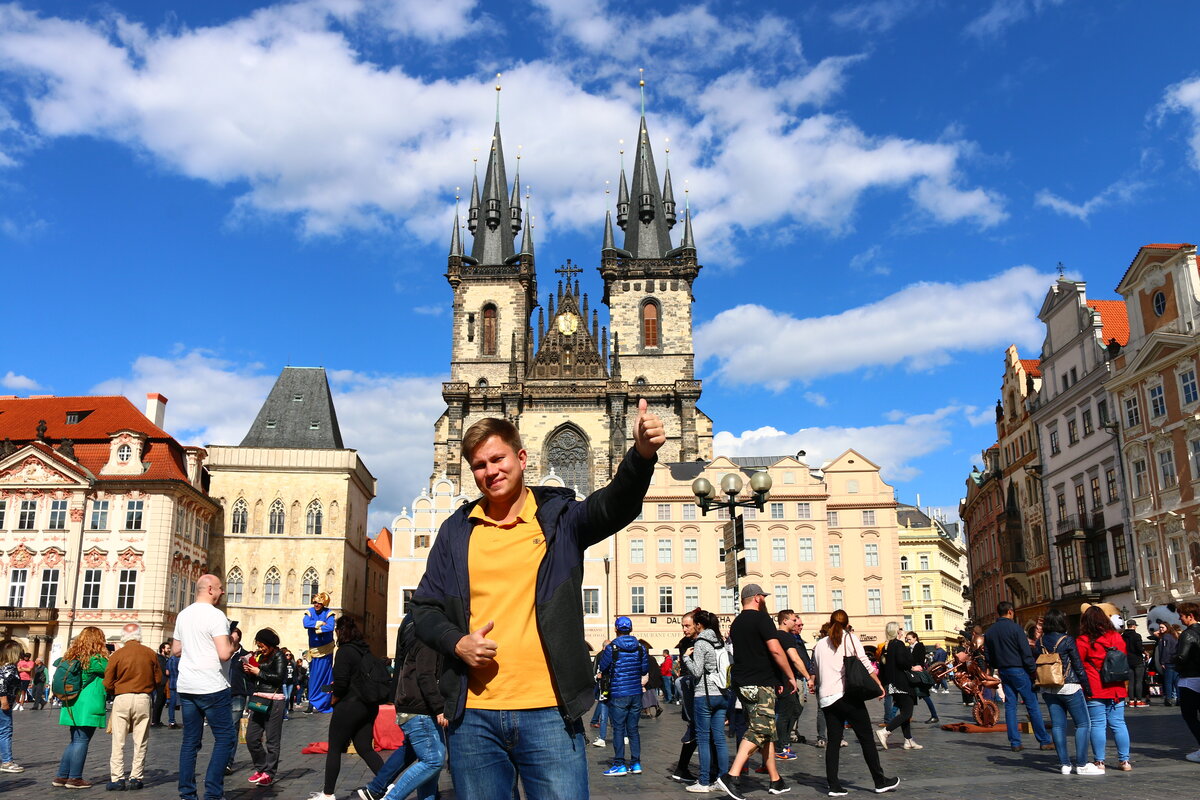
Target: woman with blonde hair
87, 711
829, 656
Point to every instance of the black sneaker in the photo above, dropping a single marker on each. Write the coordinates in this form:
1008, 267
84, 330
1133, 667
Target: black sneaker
135, 784
837, 791
889, 786
363, 793
683, 776
778, 787
229, 768
730, 785
116, 786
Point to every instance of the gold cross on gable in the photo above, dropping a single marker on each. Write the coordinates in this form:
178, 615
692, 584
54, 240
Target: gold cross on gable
569, 271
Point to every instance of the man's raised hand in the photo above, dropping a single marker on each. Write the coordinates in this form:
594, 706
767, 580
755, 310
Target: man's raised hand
648, 432
475, 649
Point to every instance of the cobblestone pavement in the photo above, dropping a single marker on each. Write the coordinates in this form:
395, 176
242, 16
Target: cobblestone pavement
952, 765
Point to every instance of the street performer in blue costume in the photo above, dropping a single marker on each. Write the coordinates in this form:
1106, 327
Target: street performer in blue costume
319, 621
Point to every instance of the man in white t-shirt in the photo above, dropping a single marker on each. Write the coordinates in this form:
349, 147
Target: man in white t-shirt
202, 642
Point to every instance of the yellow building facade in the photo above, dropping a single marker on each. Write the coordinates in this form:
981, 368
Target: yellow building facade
932, 568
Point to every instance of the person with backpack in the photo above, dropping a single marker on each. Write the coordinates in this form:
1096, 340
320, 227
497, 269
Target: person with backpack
1068, 697
10, 688
626, 664
1102, 651
354, 713
266, 671
79, 685
420, 703
708, 661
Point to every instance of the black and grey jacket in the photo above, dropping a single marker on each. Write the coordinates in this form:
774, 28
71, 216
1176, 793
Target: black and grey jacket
271, 674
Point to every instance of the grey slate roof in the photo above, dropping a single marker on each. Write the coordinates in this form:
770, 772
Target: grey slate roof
494, 243
648, 238
298, 413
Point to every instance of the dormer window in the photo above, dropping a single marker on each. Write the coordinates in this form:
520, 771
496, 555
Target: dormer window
315, 425
270, 424
124, 453
297, 398
76, 417
1160, 304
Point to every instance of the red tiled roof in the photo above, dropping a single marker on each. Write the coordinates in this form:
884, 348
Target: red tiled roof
163, 456
1152, 246
1033, 366
382, 543
1114, 320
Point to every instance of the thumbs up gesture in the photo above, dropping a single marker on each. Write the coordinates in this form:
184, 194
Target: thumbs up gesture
475, 649
648, 432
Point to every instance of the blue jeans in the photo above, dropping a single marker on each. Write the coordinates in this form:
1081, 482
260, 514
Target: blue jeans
172, 704
1170, 683
709, 711
1108, 715
601, 718
668, 687
424, 738
1060, 705
71, 764
626, 711
237, 704
489, 749
6, 736
1016, 683
216, 709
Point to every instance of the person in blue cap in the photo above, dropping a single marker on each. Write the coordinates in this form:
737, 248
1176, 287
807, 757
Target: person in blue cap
626, 664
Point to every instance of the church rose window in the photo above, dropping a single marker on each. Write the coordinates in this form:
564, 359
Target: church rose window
567, 453
489, 330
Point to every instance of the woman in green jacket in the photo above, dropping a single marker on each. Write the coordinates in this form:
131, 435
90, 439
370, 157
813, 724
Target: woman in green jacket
88, 711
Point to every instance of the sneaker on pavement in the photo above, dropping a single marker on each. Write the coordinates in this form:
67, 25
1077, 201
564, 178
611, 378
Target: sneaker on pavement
254, 776
598, 742
820, 743
1194, 757
321, 796
78, 783
890, 786
845, 743
135, 784
729, 784
837, 791
59, 781
635, 768
785, 754
1088, 769
698, 788
882, 736
616, 770
116, 786
683, 776
778, 787
11, 766
265, 780
1065, 769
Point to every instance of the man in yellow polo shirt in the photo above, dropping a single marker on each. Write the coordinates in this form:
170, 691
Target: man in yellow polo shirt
502, 598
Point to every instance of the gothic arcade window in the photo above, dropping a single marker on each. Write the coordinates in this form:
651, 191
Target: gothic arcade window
276, 518
309, 586
271, 587
233, 586
239, 517
650, 324
568, 454
313, 523
489, 330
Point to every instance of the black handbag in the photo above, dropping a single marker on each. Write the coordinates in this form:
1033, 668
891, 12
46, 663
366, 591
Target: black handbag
920, 681
857, 684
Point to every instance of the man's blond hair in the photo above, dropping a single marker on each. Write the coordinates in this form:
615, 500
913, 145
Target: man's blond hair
485, 429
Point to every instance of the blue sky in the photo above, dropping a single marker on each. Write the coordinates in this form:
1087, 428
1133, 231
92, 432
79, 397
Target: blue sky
192, 199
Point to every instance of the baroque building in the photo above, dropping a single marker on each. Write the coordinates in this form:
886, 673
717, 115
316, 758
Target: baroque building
105, 520
932, 572
983, 514
294, 505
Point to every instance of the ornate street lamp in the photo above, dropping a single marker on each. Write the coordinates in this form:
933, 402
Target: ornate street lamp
731, 487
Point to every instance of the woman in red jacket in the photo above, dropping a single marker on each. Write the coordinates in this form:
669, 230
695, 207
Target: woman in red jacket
1106, 703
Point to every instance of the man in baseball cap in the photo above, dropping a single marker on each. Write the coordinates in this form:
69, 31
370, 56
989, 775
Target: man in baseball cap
626, 663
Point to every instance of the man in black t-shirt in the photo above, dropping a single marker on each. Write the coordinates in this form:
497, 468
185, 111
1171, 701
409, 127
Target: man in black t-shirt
757, 655
788, 705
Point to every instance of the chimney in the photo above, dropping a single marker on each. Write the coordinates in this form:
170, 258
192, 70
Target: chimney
156, 408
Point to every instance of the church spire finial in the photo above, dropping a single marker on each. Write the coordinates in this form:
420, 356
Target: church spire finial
622, 193
668, 194
473, 209
497, 98
642, 87
687, 242
455, 241
514, 203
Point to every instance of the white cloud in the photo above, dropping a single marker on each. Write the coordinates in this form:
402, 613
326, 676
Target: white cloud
878, 16
1120, 192
817, 399
1185, 97
871, 260
19, 383
430, 311
22, 230
1003, 14
950, 318
212, 400
893, 445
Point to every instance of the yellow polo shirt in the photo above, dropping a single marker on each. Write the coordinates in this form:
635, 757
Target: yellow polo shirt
503, 561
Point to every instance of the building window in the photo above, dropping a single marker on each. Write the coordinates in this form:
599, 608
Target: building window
906, 593
650, 324
750, 513
835, 555
126, 588
489, 330
1060, 504
1120, 553
1070, 570
27, 517
16, 587
406, 596
690, 553
871, 555
831, 518
665, 551
868, 517
1097, 500
1175, 557
1054, 448
1140, 486
591, 602
1072, 432
691, 597
835, 598
1166, 469
276, 518
924, 559
310, 586
3, 510
49, 593
666, 600
929, 622
314, 520
1160, 303
271, 587
58, 515
926, 593
240, 514
233, 586
133, 514
173, 594
903, 563
1133, 413
689, 511
803, 510
91, 588
728, 600
124, 453
1158, 403
637, 599
806, 548
779, 549
776, 510
570, 456
664, 511
874, 601
1095, 554
752, 549
808, 598
780, 599
637, 551
1187, 386
1088, 427
1102, 411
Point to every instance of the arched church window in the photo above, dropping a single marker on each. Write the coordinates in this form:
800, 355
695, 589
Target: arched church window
568, 454
277, 517
271, 587
233, 586
483, 383
315, 519
240, 515
309, 586
650, 324
903, 562
640, 381
489, 330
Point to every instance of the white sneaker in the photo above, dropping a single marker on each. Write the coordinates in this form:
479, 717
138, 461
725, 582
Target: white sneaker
909, 744
598, 743
845, 743
321, 796
699, 788
1065, 769
882, 735
1088, 769
1193, 756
